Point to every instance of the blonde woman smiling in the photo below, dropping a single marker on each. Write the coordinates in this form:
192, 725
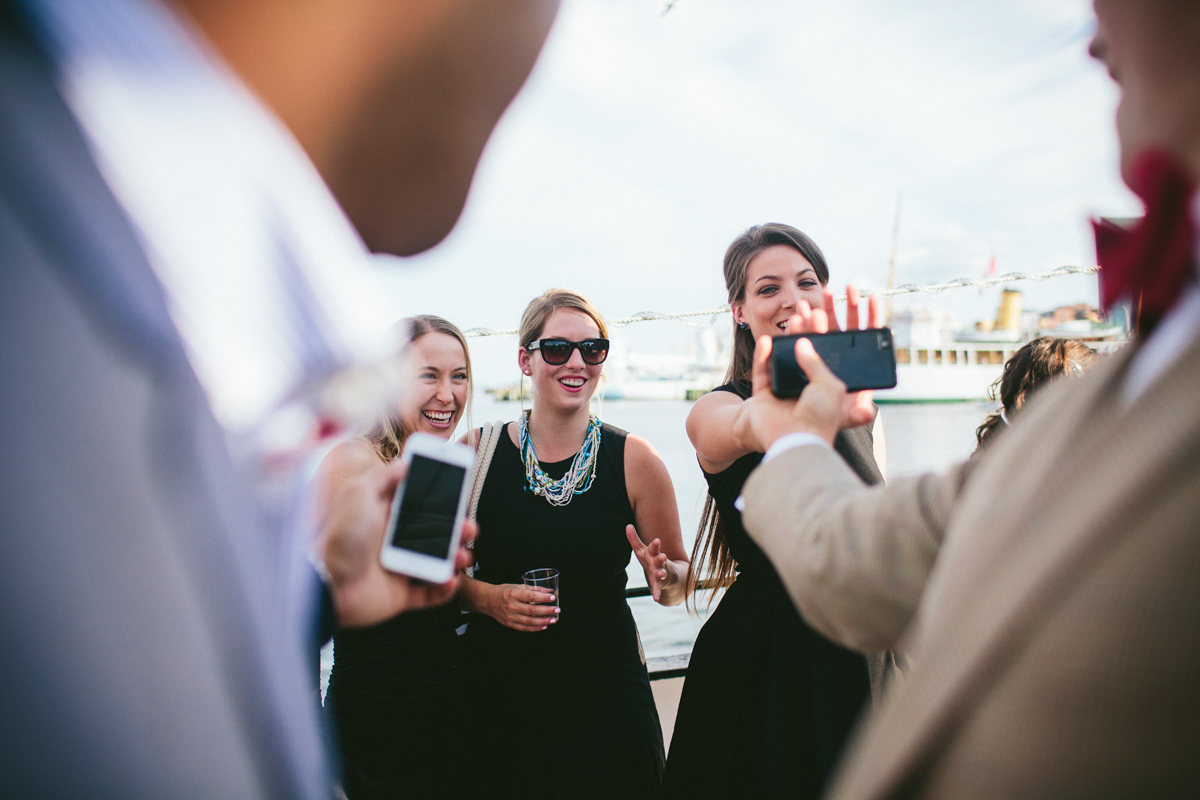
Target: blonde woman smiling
559, 698
391, 697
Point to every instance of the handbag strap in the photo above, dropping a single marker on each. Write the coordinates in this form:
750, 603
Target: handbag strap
489, 437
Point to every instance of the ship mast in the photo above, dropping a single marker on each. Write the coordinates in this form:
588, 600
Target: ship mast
891, 284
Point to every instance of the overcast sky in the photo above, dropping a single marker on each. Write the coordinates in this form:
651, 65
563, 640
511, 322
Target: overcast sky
644, 142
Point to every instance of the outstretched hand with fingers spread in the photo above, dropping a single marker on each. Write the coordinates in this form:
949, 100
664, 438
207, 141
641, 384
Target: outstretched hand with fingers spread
652, 559
825, 319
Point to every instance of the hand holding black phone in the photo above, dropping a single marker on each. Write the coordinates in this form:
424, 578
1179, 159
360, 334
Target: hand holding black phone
862, 359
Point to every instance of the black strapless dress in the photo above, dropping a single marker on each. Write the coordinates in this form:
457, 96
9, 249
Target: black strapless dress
565, 712
768, 702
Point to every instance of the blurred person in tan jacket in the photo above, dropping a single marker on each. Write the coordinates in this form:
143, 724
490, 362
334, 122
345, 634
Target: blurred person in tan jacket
1045, 594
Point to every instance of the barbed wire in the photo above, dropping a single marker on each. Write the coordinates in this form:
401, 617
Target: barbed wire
909, 288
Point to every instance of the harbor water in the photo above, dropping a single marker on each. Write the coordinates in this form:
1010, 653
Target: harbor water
919, 438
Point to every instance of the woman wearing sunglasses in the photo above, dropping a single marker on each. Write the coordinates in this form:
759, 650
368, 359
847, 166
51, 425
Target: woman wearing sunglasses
768, 703
556, 686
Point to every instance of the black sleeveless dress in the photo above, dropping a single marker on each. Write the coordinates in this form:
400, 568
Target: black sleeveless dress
768, 702
392, 708
565, 712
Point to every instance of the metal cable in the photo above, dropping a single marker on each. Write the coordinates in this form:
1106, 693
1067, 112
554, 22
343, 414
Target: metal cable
933, 288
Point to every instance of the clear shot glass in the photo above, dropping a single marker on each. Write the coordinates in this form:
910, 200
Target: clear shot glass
544, 579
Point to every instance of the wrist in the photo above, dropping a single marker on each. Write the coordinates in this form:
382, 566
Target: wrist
780, 431
489, 599
676, 574
472, 594
825, 430
673, 587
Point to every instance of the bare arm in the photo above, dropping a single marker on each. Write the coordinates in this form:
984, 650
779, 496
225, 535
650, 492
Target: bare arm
655, 537
347, 461
711, 425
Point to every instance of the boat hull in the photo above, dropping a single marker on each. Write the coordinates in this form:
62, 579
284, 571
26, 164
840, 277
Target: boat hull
941, 383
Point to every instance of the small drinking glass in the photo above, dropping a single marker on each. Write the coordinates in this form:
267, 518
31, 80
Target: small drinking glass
543, 579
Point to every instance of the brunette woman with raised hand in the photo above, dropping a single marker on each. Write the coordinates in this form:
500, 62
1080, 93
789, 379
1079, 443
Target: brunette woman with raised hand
559, 701
768, 703
392, 704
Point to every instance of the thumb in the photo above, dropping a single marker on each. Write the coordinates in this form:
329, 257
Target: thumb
635, 541
760, 374
812, 365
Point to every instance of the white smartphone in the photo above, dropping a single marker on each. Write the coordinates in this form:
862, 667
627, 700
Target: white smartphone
428, 509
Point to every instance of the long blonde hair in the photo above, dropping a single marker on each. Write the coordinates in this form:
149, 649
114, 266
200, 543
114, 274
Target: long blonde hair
388, 435
711, 549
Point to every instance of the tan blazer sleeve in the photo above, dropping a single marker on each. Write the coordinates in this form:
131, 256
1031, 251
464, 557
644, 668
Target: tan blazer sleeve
853, 558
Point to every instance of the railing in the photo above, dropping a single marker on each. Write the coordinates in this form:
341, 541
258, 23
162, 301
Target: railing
665, 667
935, 288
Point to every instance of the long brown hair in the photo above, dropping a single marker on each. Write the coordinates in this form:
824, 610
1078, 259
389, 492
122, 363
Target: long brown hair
389, 434
711, 549
1035, 364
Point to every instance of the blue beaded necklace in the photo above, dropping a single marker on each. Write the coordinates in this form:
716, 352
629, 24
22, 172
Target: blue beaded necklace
579, 476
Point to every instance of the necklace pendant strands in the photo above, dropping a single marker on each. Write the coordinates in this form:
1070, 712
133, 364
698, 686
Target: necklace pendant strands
579, 476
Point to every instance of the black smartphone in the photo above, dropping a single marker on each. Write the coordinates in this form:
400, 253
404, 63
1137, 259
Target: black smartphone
862, 359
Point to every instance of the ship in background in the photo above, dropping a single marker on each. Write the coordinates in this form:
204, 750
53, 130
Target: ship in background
636, 375
937, 363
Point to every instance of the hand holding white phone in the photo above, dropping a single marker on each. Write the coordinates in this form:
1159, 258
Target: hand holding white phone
428, 509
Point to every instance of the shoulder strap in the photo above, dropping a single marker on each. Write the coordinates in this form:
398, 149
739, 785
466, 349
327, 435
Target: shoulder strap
489, 437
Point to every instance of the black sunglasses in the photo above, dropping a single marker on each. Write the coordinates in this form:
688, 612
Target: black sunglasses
558, 351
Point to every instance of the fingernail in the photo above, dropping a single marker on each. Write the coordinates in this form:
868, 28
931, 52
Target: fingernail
553, 621
552, 598
544, 627
558, 611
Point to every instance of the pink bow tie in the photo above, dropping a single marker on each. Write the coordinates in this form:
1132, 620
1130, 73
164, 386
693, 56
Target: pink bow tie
1151, 262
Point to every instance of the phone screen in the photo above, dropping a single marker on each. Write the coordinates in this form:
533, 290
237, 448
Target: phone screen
428, 507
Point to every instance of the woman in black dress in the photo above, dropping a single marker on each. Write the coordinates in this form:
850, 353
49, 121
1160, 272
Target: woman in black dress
558, 698
391, 706
768, 703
